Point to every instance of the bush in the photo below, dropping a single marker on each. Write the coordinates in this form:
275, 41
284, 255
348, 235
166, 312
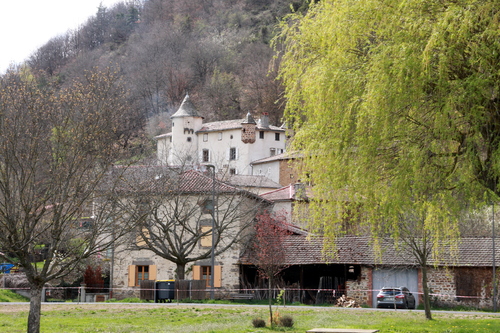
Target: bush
258, 322
286, 321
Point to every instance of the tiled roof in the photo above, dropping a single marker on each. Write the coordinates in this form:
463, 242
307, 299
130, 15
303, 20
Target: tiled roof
296, 191
284, 193
195, 182
278, 157
231, 124
156, 178
300, 250
250, 181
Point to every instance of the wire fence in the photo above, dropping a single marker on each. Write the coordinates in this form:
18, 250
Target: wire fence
191, 290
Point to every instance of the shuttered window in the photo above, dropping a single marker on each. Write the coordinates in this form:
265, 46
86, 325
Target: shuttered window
203, 273
136, 273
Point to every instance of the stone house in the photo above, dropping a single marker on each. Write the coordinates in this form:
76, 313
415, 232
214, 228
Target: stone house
177, 223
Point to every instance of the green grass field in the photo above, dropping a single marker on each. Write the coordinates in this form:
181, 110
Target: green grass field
10, 296
116, 317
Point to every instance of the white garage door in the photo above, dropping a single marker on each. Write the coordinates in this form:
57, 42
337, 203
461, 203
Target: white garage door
395, 277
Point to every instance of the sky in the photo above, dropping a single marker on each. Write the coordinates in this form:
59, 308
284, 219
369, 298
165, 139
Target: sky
28, 24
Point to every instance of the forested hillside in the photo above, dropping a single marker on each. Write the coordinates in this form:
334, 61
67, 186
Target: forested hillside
216, 50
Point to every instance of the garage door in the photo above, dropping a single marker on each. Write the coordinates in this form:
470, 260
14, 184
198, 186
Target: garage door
394, 277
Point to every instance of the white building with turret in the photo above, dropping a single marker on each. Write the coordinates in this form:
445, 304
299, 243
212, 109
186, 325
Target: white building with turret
230, 145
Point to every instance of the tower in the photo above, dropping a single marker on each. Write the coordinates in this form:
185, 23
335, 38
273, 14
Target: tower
248, 129
185, 122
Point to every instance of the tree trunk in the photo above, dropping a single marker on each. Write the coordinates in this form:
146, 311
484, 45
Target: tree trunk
427, 301
270, 303
35, 309
179, 271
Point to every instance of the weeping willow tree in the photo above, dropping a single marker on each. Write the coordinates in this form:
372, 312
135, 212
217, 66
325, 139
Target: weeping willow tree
395, 104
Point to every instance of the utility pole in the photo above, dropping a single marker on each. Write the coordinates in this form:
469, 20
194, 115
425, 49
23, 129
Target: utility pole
494, 255
212, 254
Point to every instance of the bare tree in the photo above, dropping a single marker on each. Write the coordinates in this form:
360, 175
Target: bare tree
176, 210
52, 56
268, 249
56, 146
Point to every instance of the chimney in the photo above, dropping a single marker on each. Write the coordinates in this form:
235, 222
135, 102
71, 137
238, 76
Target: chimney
264, 120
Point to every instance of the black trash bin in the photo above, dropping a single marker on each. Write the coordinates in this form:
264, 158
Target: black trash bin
165, 291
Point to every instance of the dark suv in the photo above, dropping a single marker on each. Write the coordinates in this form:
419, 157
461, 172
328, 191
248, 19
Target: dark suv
395, 297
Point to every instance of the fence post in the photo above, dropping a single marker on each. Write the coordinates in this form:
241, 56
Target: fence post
82, 293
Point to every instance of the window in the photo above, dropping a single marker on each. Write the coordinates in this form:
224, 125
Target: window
231, 136
273, 151
205, 155
140, 241
203, 273
207, 206
189, 139
220, 136
232, 171
138, 273
142, 273
277, 136
205, 137
206, 239
232, 154
261, 134
206, 274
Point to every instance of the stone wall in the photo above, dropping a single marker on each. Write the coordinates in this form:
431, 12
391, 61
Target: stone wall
462, 286
360, 289
441, 284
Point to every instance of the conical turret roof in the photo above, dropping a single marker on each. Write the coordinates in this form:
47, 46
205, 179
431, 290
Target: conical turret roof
186, 109
249, 119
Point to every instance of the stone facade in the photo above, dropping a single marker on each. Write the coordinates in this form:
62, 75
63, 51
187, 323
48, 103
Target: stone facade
442, 284
465, 286
449, 287
361, 289
190, 206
